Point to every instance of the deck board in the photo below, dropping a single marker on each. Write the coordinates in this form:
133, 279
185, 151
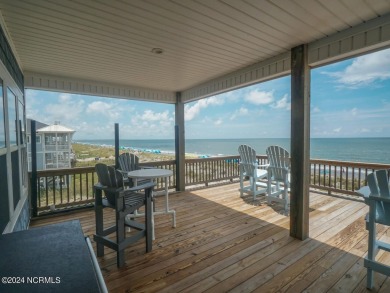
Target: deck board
226, 243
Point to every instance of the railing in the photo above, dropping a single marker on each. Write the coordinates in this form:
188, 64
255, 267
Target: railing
65, 188
342, 177
216, 169
60, 189
57, 147
69, 188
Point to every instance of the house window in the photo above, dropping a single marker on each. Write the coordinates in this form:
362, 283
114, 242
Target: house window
12, 122
28, 139
38, 139
2, 128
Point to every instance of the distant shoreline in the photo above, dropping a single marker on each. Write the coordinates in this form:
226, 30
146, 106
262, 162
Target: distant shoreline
142, 150
368, 150
88, 154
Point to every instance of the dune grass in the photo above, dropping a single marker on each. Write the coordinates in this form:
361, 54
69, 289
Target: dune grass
89, 155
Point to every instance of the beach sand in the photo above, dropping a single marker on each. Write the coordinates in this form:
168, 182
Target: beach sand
89, 155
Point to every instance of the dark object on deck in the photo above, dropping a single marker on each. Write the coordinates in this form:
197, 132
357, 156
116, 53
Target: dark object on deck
52, 258
124, 202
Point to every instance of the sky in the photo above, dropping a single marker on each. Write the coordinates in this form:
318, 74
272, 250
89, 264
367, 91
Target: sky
348, 99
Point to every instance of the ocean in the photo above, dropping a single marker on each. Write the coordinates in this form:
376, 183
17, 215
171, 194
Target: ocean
369, 150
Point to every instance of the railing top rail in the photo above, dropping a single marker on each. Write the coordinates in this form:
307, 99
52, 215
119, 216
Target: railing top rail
350, 164
65, 171
78, 170
158, 163
211, 159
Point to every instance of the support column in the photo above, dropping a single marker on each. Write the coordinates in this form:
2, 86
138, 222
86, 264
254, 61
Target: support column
116, 145
300, 142
179, 143
34, 176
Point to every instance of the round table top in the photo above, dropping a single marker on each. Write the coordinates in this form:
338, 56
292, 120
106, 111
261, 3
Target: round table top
150, 173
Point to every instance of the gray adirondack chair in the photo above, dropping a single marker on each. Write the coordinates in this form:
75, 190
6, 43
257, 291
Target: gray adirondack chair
249, 168
278, 183
379, 212
125, 202
130, 162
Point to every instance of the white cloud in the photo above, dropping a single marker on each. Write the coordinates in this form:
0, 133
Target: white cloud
232, 96
149, 124
257, 97
337, 130
365, 70
354, 112
191, 111
98, 107
316, 110
149, 115
218, 122
283, 103
31, 94
243, 111
106, 109
67, 110
64, 98
240, 112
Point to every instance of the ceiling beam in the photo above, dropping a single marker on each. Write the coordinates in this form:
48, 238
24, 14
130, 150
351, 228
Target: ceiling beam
259, 72
94, 88
361, 39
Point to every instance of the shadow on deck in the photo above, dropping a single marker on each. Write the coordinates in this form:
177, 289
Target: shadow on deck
226, 243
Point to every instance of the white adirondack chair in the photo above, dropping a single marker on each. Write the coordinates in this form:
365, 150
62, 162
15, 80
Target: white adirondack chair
278, 175
250, 168
379, 202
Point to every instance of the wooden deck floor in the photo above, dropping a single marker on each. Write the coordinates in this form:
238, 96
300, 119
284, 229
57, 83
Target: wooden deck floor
226, 243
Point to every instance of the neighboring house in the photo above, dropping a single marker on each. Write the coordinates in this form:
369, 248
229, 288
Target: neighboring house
54, 146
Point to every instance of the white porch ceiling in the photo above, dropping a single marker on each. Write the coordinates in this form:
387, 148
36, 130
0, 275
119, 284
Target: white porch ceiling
109, 43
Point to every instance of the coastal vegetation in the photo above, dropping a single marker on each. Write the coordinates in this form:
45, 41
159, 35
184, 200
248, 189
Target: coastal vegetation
88, 155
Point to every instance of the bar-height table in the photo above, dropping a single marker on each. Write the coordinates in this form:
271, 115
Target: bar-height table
154, 173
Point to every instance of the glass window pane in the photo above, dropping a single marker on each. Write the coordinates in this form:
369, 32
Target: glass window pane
22, 123
2, 128
12, 117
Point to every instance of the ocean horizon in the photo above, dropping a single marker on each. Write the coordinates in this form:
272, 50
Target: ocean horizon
369, 150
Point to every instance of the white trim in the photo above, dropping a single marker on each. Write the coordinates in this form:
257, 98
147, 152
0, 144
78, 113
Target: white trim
259, 72
10, 149
13, 220
361, 39
87, 87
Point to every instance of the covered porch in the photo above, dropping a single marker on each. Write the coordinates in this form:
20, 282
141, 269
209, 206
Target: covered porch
226, 243
174, 52
177, 52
